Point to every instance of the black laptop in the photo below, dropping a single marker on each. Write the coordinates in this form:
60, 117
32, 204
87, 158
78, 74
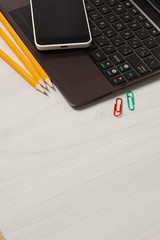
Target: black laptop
124, 51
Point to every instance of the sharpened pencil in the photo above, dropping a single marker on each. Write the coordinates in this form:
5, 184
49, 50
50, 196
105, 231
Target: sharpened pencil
25, 50
21, 71
22, 58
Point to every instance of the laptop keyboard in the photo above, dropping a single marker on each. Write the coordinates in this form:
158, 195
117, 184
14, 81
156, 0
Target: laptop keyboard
125, 44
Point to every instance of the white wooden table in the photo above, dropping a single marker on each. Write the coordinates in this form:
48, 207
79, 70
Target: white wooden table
83, 174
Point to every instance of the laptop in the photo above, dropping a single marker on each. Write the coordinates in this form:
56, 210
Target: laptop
125, 48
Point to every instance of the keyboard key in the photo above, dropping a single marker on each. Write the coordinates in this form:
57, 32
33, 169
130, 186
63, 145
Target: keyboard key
141, 18
134, 25
110, 32
112, 72
102, 23
137, 63
124, 67
89, 7
95, 32
154, 32
97, 2
119, 26
98, 55
95, 15
117, 41
101, 41
112, 2
135, 43
127, 34
143, 52
106, 64
131, 75
125, 50
147, 25
156, 52
142, 34
104, 9
109, 49
116, 58
118, 80
152, 62
111, 17
150, 42
128, 4
126, 17
119, 9
134, 11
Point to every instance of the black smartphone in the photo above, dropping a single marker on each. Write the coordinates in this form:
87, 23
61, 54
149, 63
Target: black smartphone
59, 24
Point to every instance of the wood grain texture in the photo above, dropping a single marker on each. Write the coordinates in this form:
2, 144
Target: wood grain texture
82, 174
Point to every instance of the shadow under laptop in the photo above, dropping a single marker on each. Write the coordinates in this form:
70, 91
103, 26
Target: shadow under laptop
114, 95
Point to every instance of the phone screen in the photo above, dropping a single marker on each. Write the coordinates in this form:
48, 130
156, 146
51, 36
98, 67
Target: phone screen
60, 21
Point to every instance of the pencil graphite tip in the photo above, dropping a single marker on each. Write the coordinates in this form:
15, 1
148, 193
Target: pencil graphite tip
42, 83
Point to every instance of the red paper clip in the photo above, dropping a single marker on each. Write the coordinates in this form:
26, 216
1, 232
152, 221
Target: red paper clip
118, 107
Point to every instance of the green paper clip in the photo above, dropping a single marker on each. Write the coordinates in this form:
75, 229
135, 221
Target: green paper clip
130, 100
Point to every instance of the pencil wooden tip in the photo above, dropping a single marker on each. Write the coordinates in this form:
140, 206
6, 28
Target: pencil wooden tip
42, 83
40, 88
48, 81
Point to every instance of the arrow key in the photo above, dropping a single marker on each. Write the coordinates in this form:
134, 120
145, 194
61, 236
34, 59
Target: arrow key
118, 80
131, 75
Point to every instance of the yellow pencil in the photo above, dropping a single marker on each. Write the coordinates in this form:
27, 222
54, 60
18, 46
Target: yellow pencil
22, 58
25, 50
21, 71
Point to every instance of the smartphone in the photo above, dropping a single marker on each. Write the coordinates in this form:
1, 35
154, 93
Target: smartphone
60, 24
